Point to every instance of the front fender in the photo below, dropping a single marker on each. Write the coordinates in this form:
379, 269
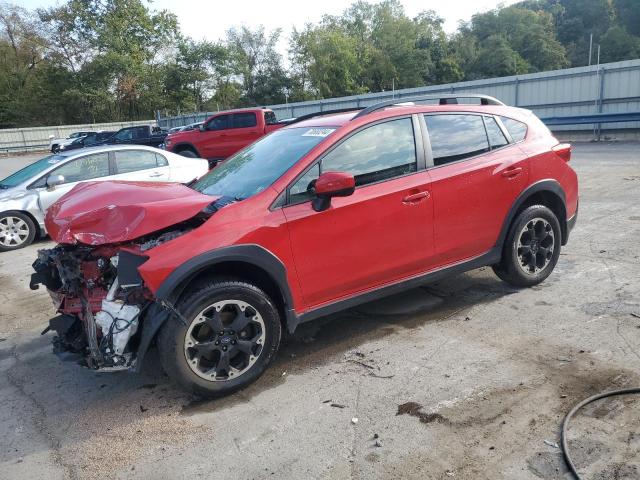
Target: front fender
252, 254
27, 203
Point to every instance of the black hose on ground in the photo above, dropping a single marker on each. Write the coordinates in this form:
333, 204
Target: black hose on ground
565, 424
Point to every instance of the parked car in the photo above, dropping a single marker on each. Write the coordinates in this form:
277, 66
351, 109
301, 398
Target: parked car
27, 194
185, 128
192, 126
149, 135
91, 140
322, 215
223, 134
56, 144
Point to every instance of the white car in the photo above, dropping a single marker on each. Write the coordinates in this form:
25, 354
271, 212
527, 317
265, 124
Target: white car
26, 194
57, 144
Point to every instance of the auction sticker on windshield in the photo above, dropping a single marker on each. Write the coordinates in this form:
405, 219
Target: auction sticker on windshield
318, 132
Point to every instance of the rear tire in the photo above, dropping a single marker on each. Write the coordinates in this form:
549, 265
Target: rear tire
188, 153
531, 249
233, 334
17, 230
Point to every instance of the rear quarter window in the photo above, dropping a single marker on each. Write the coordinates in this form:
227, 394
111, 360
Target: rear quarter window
516, 129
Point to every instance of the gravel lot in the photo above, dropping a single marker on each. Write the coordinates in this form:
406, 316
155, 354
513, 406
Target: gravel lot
465, 378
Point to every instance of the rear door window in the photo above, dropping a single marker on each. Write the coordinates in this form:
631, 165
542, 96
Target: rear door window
134, 160
140, 132
455, 137
244, 120
84, 168
221, 122
496, 137
516, 129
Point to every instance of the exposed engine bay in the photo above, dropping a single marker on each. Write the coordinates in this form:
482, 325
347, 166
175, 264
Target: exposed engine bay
101, 299
103, 304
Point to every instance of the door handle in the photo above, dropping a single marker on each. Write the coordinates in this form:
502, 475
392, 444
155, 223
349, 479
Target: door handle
415, 197
156, 174
512, 172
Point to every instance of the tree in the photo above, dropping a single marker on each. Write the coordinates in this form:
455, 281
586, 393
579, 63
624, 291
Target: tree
496, 58
106, 60
332, 65
529, 33
628, 15
22, 51
618, 44
257, 62
112, 46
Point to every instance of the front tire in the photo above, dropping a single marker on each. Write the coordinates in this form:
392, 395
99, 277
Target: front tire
232, 334
531, 249
17, 230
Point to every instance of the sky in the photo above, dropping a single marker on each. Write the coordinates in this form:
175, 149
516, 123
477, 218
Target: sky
209, 19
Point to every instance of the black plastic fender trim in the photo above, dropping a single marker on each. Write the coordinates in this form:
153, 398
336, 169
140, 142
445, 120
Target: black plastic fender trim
489, 258
252, 254
548, 185
155, 317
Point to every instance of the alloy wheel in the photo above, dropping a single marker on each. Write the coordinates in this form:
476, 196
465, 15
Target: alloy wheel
536, 242
224, 340
14, 231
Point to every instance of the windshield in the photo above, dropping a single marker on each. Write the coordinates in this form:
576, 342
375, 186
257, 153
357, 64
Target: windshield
30, 171
256, 167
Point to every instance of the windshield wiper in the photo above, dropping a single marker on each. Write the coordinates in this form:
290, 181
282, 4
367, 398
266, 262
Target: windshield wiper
3, 187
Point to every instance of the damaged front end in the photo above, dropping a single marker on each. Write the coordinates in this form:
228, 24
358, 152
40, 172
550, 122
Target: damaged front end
101, 300
108, 317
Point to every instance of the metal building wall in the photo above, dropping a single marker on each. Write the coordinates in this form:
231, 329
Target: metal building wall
609, 88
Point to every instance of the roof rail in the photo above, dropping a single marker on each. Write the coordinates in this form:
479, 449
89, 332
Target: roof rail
325, 112
444, 99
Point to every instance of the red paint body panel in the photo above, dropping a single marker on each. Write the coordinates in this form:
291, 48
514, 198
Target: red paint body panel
472, 199
362, 240
98, 213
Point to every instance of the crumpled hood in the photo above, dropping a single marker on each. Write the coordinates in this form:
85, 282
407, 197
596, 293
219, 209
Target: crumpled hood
97, 213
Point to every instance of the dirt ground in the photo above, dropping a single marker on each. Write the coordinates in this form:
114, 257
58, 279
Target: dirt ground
466, 378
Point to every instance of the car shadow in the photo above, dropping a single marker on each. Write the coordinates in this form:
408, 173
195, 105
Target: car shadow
66, 392
322, 341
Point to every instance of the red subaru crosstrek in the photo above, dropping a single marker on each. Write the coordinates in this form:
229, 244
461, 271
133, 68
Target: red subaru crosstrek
329, 212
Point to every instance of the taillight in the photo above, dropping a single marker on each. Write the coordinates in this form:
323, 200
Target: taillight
563, 150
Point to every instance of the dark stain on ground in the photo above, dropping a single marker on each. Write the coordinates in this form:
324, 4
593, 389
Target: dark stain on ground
619, 471
547, 465
415, 410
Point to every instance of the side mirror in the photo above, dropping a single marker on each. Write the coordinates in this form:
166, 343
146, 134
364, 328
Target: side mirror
202, 128
54, 180
329, 185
